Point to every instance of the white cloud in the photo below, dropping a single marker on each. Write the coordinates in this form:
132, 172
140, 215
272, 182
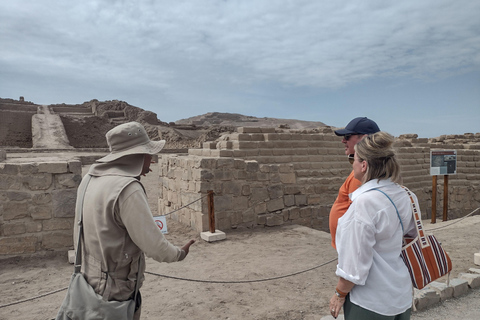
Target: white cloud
225, 53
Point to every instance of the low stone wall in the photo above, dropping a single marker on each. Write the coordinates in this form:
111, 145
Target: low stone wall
37, 205
265, 178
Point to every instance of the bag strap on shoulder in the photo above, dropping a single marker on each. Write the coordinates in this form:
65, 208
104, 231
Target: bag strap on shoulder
79, 208
398, 214
78, 255
417, 216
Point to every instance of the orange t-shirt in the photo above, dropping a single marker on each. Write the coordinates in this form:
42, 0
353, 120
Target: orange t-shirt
341, 204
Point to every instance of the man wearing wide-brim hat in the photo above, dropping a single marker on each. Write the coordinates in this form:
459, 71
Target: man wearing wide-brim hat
118, 226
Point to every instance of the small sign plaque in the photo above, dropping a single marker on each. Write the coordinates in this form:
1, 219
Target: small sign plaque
161, 223
443, 162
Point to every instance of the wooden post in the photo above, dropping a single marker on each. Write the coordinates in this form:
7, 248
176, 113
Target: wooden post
211, 211
445, 197
434, 199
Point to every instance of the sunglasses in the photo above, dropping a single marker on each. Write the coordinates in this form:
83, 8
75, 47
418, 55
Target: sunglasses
348, 136
351, 158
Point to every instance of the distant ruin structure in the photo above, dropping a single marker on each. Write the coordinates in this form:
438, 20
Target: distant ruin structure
265, 178
261, 176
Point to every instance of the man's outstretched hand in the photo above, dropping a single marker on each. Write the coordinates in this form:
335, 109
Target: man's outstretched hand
186, 247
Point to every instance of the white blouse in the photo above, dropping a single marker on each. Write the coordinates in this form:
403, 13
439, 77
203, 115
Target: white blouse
369, 243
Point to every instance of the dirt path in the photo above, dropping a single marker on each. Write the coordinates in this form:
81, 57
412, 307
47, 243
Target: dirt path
48, 131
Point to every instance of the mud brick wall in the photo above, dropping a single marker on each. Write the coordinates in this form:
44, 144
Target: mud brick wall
37, 206
264, 178
16, 128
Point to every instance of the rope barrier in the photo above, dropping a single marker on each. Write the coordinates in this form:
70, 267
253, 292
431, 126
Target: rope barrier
242, 281
167, 214
217, 281
30, 299
456, 221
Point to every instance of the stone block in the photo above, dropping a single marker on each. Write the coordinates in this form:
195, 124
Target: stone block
274, 220
294, 213
57, 240
41, 198
206, 145
53, 167
18, 245
443, 290
275, 191
426, 298
275, 204
8, 168
39, 181
288, 178
240, 203
14, 210
68, 180
75, 167
289, 200
3, 155
249, 130
33, 227
71, 256
212, 237
63, 203
260, 208
474, 270
14, 229
57, 224
17, 196
473, 280
460, 287
300, 199
476, 258
261, 220
41, 212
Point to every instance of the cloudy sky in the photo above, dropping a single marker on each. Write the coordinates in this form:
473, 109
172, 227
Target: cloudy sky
413, 66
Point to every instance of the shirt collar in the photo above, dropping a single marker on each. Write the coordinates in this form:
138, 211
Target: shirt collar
369, 185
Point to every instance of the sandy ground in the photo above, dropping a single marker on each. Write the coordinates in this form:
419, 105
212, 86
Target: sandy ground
262, 256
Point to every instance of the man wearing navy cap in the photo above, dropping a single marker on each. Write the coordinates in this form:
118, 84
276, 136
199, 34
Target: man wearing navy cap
352, 134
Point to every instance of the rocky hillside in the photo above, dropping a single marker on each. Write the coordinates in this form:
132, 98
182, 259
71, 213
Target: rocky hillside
239, 120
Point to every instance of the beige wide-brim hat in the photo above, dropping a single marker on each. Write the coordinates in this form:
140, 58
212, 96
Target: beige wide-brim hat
130, 138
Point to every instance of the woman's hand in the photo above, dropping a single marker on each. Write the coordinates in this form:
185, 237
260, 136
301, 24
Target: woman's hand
336, 304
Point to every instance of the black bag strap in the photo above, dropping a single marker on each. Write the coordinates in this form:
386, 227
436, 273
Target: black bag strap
78, 256
79, 209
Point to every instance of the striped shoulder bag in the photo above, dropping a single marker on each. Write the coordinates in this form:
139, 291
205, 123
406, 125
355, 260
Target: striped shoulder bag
423, 255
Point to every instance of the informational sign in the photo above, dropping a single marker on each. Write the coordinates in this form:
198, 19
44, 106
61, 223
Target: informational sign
443, 162
161, 222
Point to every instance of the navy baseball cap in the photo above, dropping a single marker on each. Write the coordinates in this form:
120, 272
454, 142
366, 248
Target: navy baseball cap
361, 125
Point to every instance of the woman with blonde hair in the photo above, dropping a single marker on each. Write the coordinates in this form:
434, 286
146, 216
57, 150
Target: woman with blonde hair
373, 282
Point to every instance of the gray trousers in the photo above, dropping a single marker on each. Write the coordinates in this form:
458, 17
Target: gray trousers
353, 312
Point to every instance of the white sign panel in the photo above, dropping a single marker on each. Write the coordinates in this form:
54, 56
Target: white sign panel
161, 223
443, 162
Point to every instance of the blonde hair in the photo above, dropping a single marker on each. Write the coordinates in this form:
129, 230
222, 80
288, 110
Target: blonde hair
377, 150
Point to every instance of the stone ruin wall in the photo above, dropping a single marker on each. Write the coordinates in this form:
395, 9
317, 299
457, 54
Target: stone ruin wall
37, 206
262, 178
16, 123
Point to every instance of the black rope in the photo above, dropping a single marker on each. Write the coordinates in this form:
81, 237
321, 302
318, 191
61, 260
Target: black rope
456, 221
184, 206
241, 281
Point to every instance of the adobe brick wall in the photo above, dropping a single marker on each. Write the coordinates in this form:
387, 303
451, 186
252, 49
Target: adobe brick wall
263, 178
16, 128
37, 205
